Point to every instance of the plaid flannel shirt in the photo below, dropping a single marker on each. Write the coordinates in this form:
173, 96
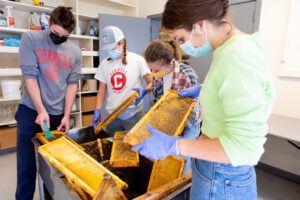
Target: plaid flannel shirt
183, 77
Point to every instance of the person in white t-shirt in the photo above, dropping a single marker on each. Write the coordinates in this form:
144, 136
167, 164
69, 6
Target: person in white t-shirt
120, 75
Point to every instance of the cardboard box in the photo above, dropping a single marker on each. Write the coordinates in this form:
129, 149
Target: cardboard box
8, 137
88, 103
87, 119
89, 85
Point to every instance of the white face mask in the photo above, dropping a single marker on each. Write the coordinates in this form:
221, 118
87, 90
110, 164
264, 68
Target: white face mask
201, 51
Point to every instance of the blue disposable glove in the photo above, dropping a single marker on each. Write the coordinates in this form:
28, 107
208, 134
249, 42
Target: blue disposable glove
158, 146
142, 92
97, 114
192, 92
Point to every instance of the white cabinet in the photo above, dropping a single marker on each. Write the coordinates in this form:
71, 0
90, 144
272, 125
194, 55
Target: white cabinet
84, 11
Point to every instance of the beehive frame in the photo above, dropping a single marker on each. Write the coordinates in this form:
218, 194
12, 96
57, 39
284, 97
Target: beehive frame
93, 171
133, 137
41, 137
164, 171
117, 112
115, 160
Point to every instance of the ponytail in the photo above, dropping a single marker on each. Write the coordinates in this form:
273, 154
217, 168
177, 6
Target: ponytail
124, 60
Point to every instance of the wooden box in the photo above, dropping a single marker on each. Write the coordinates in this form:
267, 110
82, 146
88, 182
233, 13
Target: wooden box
88, 103
169, 115
121, 154
117, 112
87, 120
8, 137
89, 85
76, 165
164, 171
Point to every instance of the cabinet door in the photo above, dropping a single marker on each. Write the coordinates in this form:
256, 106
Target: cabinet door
155, 28
137, 33
243, 15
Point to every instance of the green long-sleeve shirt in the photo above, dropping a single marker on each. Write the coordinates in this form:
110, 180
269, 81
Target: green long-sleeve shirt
237, 99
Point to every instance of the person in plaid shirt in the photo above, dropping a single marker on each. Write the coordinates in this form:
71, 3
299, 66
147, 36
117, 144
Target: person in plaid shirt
168, 73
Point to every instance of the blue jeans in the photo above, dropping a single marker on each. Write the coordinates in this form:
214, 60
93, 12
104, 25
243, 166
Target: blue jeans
217, 181
192, 133
124, 125
26, 165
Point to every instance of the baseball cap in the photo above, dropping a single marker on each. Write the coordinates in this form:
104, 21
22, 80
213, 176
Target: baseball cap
109, 37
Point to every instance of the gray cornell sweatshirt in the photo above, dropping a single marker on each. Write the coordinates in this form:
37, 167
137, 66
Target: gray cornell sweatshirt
53, 66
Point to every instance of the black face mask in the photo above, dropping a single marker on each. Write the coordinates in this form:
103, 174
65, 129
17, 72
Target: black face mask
56, 39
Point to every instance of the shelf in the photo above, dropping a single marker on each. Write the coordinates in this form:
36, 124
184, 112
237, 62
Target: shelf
10, 72
121, 2
87, 17
88, 92
5, 49
17, 71
76, 113
25, 7
13, 30
8, 123
23, 30
4, 100
88, 70
90, 53
15, 50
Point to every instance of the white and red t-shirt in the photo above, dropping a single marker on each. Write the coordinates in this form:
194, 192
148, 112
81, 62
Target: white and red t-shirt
120, 79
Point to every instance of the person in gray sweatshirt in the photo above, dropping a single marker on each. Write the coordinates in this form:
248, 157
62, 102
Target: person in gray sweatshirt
51, 68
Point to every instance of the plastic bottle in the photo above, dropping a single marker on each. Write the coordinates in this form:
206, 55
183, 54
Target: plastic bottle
92, 29
9, 18
2, 19
34, 21
44, 21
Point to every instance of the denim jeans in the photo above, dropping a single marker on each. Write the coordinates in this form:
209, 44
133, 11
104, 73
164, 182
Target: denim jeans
124, 125
26, 165
192, 133
217, 181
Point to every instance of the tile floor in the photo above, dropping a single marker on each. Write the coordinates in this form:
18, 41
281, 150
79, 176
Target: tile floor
270, 187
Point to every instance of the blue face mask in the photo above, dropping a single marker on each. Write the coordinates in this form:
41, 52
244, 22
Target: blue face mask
202, 51
114, 54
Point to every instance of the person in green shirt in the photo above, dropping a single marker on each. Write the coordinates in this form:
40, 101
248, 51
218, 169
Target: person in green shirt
237, 98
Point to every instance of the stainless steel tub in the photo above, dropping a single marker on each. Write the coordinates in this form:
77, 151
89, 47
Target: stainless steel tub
51, 179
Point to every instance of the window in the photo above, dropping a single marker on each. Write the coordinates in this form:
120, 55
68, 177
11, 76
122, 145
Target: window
290, 65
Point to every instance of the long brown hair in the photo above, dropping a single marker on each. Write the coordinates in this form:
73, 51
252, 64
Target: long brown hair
184, 13
162, 51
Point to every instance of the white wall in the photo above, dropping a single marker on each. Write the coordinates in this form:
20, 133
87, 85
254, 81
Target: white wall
94, 7
152, 7
273, 26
